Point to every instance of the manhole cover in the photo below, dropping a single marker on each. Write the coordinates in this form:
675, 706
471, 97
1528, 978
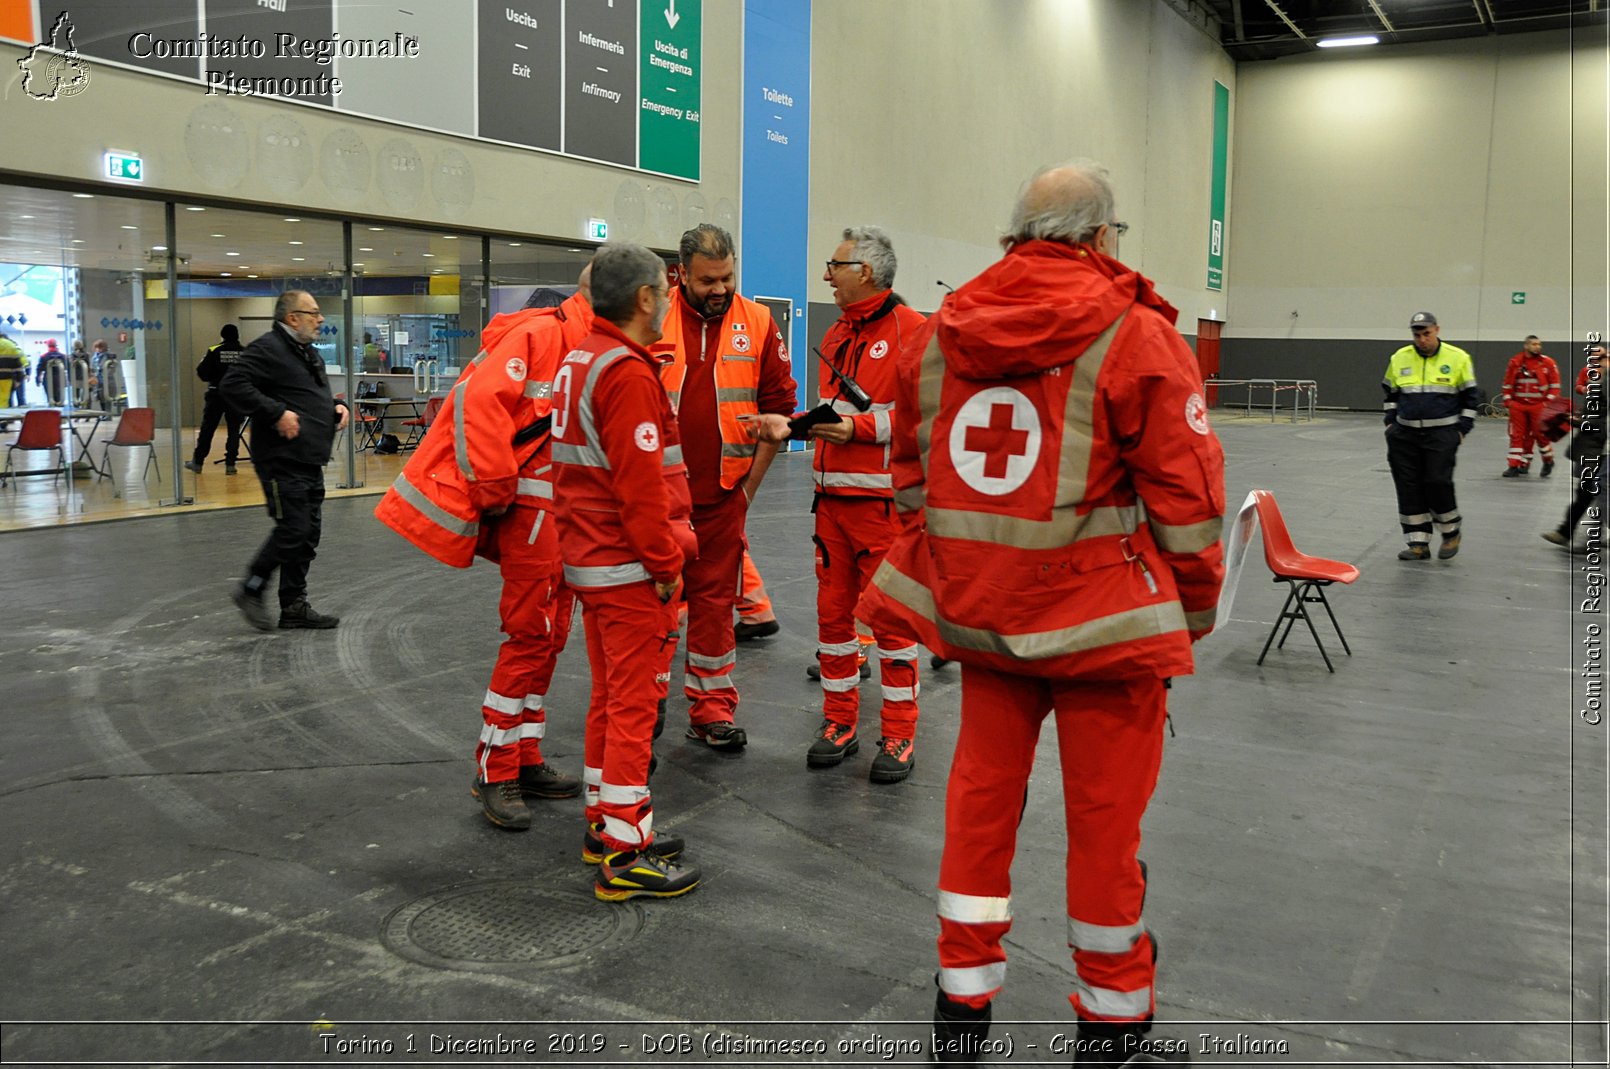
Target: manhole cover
496, 924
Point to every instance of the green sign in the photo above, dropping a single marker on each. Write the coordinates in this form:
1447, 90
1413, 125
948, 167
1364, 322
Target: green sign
1221, 171
597, 230
125, 166
1518, 297
669, 104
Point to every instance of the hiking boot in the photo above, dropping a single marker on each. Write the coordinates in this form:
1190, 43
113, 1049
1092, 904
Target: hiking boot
195, 466
1514, 472
743, 631
814, 671
300, 614
502, 803
545, 781
1548, 469
230, 469
959, 1031
1100, 1045
719, 735
894, 762
1449, 547
593, 849
642, 873
1558, 537
659, 719
252, 607
1417, 551
834, 742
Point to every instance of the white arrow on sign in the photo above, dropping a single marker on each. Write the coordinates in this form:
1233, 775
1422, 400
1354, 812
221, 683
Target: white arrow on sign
671, 17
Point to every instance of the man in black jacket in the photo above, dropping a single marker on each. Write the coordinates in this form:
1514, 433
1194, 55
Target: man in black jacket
211, 371
279, 382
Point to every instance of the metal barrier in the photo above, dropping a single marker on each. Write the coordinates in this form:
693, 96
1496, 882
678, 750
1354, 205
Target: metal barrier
1304, 395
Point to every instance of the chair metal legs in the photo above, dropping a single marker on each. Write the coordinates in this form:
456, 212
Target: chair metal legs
1302, 594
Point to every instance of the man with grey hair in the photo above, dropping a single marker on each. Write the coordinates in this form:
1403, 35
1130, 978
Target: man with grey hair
723, 361
622, 506
1062, 495
854, 507
279, 381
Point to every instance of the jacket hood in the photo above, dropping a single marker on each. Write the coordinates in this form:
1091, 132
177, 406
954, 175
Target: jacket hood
505, 323
1038, 307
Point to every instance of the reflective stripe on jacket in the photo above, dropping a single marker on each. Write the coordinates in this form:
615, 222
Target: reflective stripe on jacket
1431, 391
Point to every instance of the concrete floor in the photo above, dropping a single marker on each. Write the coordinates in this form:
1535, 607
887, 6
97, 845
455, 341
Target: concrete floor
220, 840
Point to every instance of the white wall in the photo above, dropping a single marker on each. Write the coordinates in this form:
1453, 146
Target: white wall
1375, 183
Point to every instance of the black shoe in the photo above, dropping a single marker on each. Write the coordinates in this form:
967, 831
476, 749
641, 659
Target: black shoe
833, 743
545, 781
896, 758
230, 469
937, 662
252, 607
1449, 547
814, 671
1101, 1045
502, 803
959, 1031
593, 850
1558, 537
659, 719
1548, 469
300, 614
719, 735
193, 466
1513, 472
642, 874
743, 632
1418, 551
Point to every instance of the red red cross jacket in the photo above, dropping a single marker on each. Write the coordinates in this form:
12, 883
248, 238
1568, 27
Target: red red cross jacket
1063, 507
865, 343
1531, 380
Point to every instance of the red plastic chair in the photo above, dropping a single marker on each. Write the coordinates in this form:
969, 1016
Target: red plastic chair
1306, 576
418, 427
41, 430
135, 427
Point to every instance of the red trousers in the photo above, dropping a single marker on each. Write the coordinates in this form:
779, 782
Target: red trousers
852, 535
535, 609
710, 585
1110, 741
754, 606
1526, 429
628, 632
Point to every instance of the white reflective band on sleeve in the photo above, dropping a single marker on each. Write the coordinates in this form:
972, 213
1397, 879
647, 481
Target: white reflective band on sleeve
713, 664
904, 653
882, 427
979, 980
618, 794
706, 684
838, 649
582, 455
1103, 938
672, 455
840, 686
605, 575
900, 694
432, 511
534, 488
503, 704
623, 832
1105, 1002
1203, 620
533, 388
974, 909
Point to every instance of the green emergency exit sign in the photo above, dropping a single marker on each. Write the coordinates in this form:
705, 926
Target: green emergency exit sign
1518, 297
597, 230
125, 166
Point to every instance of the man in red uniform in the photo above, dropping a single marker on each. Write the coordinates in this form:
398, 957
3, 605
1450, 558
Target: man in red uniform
1063, 497
1530, 383
854, 507
471, 489
723, 360
622, 507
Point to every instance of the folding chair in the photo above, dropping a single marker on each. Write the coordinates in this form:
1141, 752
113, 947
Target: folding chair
135, 427
1306, 576
41, 430
418, 427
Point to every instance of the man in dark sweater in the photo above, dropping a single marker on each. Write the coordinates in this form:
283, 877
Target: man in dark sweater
211, 371
279, 381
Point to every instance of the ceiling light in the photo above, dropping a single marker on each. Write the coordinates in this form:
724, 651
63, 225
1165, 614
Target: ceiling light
365, 248
84, 196
231, 254
357, 263
299, 259
24, 217
193, 208
1349, 42
431, 254
125, 226
292, 219
251, 276
377, 228
296, 243
515, 244
449, 237
223, 274
159, 248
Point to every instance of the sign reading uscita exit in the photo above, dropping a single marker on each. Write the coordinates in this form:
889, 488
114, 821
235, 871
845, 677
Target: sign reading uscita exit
124, 166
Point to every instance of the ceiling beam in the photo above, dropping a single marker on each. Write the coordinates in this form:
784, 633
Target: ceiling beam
1385, 22
1235, 13
1296, 29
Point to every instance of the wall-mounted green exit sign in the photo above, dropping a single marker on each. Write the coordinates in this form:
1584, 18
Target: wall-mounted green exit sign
1517, 297
125, 166
597, 230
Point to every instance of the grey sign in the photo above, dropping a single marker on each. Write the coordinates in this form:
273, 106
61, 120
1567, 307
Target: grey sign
519, 86
601, 80
142, 35
396, 88
297, 51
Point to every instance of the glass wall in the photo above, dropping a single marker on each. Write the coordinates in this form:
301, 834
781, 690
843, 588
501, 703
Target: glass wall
147, 287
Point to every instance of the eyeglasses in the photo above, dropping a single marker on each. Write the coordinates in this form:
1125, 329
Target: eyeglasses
314, 312
842, 263
1119, 228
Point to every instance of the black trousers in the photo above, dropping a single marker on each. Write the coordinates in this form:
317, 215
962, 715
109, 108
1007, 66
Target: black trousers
295, 498
212, 408
1590, 474
1422, 461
